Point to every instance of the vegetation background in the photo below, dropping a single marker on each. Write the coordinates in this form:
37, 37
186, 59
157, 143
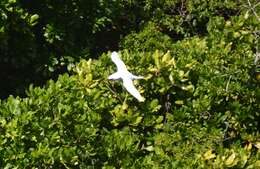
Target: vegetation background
201, 63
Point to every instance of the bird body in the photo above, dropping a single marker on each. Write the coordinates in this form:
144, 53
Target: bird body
126, 76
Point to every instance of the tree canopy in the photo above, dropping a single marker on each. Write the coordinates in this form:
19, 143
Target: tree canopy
201, 66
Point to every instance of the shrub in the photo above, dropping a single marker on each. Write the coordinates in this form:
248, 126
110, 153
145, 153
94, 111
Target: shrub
201, 108
149, 39
200, 111
38, 39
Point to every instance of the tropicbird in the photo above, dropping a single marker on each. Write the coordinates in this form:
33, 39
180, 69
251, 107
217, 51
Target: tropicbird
126, 76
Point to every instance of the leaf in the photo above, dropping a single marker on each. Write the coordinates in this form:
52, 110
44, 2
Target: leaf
149, 148
179, 102
209, 155
189, 88
154, 105
156, 57
158, 126
257, 145
159, 119
248, 146
33, 19
159, 151
2, 29
166, 57
191, 65
230, 162
137, 120
257, 164
181, 73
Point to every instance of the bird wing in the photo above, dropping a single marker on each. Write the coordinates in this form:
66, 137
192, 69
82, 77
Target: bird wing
114, 76
135, 77
119, 63
128, 84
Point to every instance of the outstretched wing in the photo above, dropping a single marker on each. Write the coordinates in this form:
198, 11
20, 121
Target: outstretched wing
114, 76
128, 84
119, 63
135, 77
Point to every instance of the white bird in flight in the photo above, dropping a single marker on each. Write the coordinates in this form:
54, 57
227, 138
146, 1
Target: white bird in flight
126, 76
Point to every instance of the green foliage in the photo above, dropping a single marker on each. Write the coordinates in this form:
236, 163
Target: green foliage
36, 37
18, 47
202, 93
149, 39
200, 111
179, 18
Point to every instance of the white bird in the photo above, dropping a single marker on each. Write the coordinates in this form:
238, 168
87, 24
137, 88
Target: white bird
126, 76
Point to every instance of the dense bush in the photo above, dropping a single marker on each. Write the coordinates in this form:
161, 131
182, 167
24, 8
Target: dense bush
18, 49
201, 111
202, 86
149, 39
38, 39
